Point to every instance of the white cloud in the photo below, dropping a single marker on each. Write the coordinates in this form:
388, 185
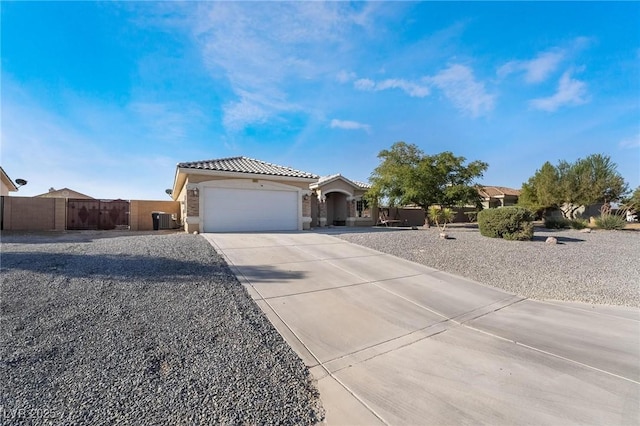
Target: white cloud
410, 88
630, 142
267, 49
345, 76
461, 88
570, 92
364, 84
255, 108
349, 125
544, 64
537, 69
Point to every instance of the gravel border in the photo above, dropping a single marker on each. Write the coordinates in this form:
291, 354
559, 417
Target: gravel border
104, 328
601, 267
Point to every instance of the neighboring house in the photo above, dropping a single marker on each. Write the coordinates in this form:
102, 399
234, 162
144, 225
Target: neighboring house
337, 200
498, 196
64, 193
6, 184
242, 194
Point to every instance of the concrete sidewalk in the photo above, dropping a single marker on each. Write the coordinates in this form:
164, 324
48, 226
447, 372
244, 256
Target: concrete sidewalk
395, 342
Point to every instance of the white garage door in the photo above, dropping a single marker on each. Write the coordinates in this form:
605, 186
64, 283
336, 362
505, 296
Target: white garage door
227, 209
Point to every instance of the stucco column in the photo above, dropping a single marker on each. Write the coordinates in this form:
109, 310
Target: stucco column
351, 211
192, 220
306, 210
322, 210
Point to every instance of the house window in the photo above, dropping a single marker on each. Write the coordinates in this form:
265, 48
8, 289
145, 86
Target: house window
362, 208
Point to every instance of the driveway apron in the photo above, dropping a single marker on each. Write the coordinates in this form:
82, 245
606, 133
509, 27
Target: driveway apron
394, 342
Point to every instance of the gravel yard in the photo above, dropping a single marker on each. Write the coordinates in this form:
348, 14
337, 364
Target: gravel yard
601, 267
105, 328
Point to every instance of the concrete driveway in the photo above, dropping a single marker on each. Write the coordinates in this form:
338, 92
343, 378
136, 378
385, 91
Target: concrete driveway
395, 342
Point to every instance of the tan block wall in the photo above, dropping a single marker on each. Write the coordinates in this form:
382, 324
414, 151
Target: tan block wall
60, 214
408, 216
34, 214
140, 213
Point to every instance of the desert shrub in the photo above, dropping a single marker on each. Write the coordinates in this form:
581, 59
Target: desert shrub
556, 223
510, 223
610, 221
579, 224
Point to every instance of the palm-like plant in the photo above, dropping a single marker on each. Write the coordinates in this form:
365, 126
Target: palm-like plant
441, 216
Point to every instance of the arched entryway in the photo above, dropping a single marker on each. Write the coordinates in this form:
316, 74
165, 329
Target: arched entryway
337, 209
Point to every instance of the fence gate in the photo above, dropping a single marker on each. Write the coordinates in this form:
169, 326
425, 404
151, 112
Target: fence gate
96, 214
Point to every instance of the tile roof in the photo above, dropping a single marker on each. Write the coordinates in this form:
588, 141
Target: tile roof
497, 191
325, 179
246, 165
362, 185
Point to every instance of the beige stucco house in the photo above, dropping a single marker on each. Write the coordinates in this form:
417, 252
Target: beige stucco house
242, 194
245, 194
6, 184
498, 196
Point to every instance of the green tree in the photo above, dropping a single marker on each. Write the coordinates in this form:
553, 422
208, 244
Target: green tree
406, 175
540, 192
569, 186
632, 203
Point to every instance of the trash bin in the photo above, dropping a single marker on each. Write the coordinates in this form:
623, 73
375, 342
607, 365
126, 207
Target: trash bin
155, 216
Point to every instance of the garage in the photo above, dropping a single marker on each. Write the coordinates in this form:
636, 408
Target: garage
236, 209
242, 194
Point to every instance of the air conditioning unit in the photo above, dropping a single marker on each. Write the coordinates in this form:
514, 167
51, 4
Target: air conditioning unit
165, 221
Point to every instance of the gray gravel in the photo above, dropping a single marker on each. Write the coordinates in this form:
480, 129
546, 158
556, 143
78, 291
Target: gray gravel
144, 329
602, 267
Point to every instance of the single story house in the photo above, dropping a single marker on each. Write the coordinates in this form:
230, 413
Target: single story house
245, 194
498, 196
242, 194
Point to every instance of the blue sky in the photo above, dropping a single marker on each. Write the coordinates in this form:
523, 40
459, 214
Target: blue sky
106, 98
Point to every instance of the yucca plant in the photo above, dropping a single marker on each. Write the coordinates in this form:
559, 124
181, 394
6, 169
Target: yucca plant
441, 216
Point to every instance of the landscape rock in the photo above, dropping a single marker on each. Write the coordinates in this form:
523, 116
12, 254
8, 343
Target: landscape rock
140, 329
599, 267
551, 240
586, 230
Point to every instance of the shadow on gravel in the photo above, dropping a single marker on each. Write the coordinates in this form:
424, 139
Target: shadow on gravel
55, 237
114, 266
561, 240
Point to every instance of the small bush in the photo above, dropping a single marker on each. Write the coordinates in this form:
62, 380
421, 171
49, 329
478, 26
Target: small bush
556, 223
579, 224
510, 223
611, 221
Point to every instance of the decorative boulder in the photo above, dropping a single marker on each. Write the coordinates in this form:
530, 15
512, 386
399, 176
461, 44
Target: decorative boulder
586, 230
444, 236
551, 240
